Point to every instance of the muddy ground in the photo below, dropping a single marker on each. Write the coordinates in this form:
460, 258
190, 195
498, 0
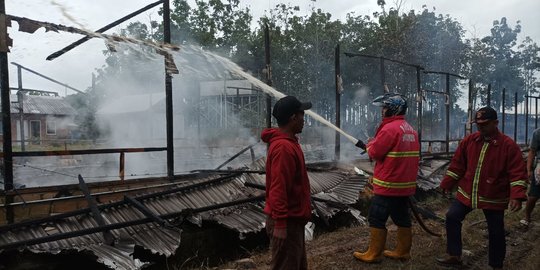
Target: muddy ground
333, 250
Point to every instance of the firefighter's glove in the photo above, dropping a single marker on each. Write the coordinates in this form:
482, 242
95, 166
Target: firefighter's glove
360, 144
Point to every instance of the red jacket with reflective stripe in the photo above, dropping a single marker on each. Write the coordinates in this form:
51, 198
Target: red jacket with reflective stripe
488, 173
287, 184
395, 150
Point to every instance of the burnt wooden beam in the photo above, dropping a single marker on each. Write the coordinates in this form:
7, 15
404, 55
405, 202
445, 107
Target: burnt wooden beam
6, 110
96, 214
337, 78
235, 156
101, 30
382, 57
268, 69
85, 152
516, 117
47, 77
420, 105
147, 212
503, 100
169, 128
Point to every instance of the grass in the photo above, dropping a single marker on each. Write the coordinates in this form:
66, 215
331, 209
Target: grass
334, 250
55, 146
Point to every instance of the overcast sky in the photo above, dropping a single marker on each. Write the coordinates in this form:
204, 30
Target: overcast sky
76, 66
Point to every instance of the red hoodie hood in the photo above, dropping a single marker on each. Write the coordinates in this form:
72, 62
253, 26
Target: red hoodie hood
270, 135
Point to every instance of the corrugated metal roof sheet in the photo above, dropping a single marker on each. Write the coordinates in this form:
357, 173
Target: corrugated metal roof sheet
245, 218
44, 105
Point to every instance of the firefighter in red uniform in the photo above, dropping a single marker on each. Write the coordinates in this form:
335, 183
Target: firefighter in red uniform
395, 149
490, 174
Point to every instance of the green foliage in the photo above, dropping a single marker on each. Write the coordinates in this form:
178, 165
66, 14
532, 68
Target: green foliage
302, 52
85, 104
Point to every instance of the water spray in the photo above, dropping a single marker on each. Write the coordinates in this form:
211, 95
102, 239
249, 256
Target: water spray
269, 90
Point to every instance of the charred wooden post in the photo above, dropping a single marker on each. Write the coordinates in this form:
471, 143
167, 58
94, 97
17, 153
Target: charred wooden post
6, 111
526, 119
268, 72
489, 95
516, 116
337, 77
168, 93
86, 152
92, 204
469, 108
122, 166
419, 112
20, 99
536, 113
503, 108
447, 104
383, 75
252, 154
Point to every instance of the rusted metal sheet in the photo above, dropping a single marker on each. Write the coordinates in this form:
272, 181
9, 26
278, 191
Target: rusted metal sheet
245, 218
44, 105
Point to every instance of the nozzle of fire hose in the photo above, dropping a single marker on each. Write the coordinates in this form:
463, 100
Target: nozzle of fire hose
360, 144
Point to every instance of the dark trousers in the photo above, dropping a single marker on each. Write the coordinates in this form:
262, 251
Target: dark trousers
495, 220
291, 254
383, 207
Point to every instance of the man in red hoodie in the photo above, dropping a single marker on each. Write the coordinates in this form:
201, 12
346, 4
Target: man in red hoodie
396, 151
489, 172
288, 203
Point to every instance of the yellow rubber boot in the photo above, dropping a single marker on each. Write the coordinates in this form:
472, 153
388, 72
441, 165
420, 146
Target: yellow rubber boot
403, 247
376, 247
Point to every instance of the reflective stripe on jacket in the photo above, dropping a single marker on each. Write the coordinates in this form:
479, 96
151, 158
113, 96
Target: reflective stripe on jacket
396, 152
488, 173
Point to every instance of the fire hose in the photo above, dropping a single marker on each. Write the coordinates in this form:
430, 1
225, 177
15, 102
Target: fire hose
419, 219
368, 190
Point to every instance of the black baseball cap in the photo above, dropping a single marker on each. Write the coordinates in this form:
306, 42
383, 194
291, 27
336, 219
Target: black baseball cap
484, 115
287, 106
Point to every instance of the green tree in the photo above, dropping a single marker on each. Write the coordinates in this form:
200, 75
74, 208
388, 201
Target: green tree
530, 65
503, 59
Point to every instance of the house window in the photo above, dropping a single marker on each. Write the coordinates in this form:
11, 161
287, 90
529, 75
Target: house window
51, 128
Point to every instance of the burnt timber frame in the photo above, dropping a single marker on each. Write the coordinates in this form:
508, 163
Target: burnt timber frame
268, 75
447, 103
527, 97
337, 78
6, 110
101, 207
7, 153
180, 214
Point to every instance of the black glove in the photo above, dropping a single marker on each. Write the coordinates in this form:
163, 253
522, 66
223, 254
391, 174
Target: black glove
360, 144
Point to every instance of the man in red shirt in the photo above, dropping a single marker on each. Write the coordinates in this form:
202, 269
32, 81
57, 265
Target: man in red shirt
288, 203
396, 151
489, 172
